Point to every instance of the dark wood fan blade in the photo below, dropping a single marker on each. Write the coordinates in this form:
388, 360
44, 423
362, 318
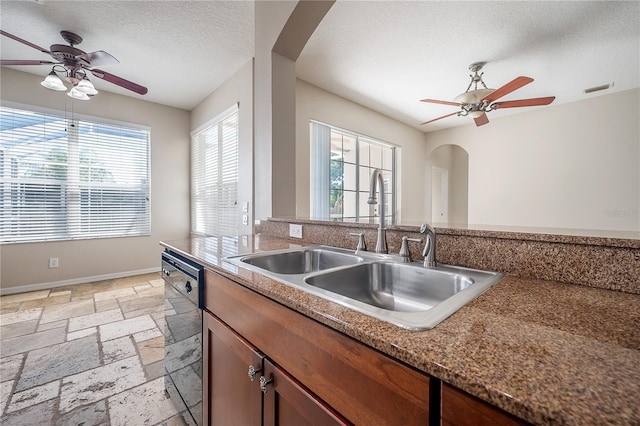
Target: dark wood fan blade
439, 118
119, 81
4, 62
435, 101
18, 39
482, 120
98, 58
515, 84
524, 102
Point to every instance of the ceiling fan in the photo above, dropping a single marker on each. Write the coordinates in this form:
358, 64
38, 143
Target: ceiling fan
74, 64
477, 102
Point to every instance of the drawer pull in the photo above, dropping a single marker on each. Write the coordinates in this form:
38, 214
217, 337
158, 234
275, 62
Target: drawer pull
252, 373
264, 382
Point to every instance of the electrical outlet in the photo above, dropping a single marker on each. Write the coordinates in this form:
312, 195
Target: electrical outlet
295, 231
245, 219
53, 262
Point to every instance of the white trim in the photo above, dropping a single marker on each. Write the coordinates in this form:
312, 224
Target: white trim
234, 108
73, 281
71, 115
371, 139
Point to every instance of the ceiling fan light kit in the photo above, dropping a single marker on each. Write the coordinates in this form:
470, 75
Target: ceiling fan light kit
76, 94
53, 82
85, 86
82, 88
72, 64
477, 102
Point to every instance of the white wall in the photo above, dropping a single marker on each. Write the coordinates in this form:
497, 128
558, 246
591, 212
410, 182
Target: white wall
574, 166
238, 89
315, 103
270, 18
26, 264
456, 161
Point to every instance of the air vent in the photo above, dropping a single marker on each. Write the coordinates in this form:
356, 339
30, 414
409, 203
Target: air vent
598, 88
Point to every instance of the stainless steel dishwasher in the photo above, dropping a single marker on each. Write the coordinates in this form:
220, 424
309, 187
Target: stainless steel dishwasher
184, 301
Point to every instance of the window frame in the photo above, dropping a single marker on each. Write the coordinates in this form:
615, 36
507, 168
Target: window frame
226, 226
78, 230
360, 187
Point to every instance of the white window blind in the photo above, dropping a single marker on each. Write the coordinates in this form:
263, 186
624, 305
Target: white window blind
63, 179
214, 177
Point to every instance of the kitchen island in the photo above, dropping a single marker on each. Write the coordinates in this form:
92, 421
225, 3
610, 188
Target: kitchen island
546, 352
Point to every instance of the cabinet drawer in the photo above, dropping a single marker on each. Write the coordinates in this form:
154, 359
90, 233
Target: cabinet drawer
363, 385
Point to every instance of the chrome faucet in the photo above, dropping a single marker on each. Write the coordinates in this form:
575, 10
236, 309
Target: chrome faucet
362, 245
404, 254
376, 177
429, 251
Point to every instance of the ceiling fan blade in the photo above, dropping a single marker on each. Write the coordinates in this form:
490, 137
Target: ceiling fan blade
439, 118
515, 84
18, 39
524, 102
435, 101
98, 58
119, 81
482, 120
5, 62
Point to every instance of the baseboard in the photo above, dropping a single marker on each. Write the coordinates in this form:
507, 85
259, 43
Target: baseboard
54, 284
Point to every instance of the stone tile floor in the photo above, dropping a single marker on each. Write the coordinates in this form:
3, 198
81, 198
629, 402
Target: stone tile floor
86, 354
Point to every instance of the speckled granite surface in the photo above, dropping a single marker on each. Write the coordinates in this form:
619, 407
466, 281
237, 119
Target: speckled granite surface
610, 263
548, 352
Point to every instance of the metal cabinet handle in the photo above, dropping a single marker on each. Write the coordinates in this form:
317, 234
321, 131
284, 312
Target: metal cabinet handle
252, 373
264, 382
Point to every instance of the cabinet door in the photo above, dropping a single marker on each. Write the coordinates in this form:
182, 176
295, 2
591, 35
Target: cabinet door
286, 402
461, 409
231, 397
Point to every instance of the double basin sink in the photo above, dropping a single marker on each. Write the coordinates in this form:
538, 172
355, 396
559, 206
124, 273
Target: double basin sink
405, 294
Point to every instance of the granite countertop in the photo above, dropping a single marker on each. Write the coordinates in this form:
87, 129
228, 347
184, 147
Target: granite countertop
548, 352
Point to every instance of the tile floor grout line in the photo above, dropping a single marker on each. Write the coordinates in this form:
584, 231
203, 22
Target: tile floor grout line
77, 294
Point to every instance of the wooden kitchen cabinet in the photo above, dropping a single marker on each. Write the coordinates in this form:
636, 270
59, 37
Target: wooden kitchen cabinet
461, 409
286, 402
230, 396
271, 398
320, 376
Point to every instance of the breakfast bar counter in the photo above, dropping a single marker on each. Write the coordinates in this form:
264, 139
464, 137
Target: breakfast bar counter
545, 351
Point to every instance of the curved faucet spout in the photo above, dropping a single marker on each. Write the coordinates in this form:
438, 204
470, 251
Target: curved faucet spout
376, 178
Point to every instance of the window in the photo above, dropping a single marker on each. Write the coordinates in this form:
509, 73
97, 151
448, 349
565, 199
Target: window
341, 167
64, 179
214, 176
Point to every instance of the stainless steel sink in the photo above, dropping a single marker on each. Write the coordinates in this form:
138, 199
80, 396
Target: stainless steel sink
404, 294
392, 286
302, 261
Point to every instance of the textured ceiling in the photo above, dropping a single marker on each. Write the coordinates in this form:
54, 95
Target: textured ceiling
388, 55
180, 50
